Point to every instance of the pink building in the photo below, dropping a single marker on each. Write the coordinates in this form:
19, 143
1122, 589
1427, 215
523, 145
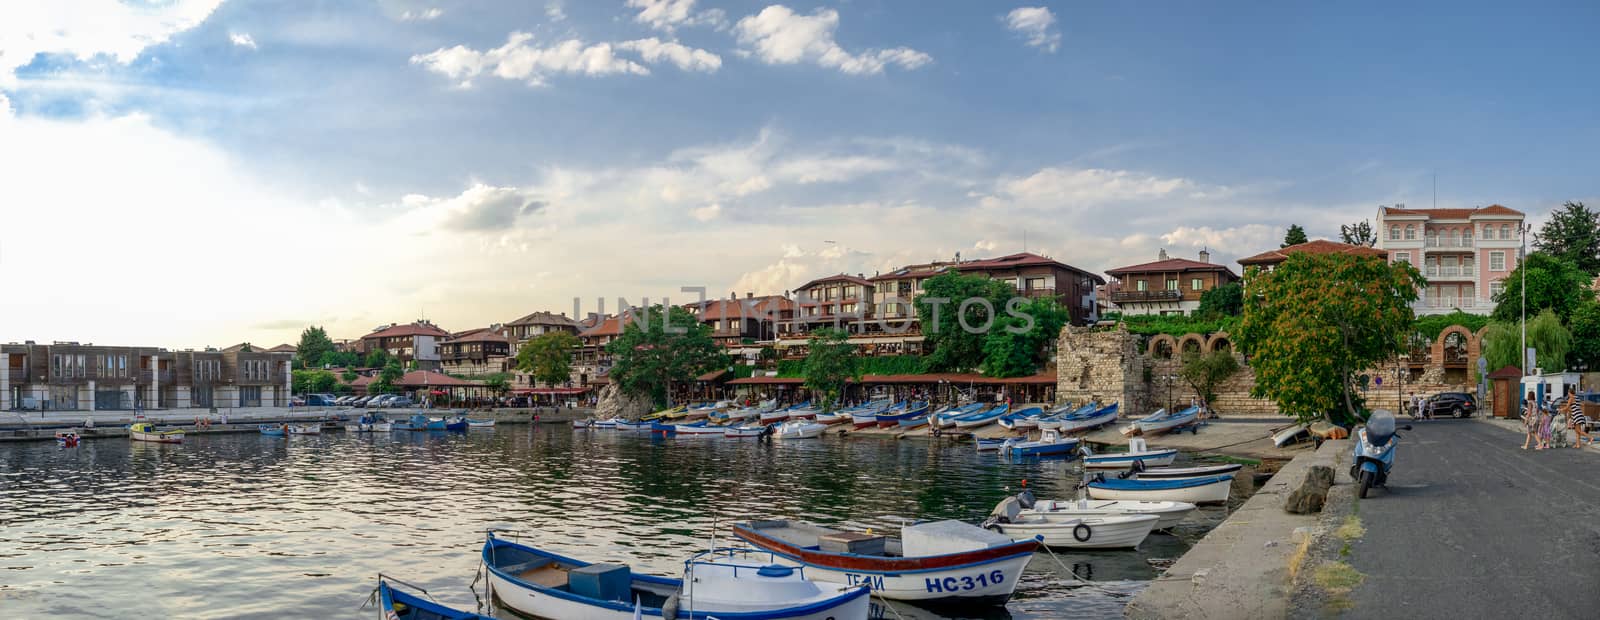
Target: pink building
1464, 253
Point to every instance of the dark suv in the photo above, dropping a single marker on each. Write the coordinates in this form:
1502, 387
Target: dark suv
1458, 404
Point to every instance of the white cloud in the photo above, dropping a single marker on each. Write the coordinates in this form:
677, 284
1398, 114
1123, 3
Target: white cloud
778, 35
242, 39
519, 60
423, 15
479, 209
708, 212
89, 28
1074, 187
1037, 24
653, 51
555, 10
668, 15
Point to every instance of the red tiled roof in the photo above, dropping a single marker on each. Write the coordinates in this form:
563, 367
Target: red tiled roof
1319, 246
750, 308
1454, 214
1508, 372
545, 318
482, 334
843, 277
1171, 264
409, 329
923, 270
426, 378
362, 380
1021, 259
283, 348
713, 375
610, 326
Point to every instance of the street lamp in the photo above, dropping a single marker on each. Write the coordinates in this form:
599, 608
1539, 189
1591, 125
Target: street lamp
1522, 255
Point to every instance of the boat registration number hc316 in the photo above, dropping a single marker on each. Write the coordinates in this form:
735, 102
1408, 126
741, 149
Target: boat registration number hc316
969, 582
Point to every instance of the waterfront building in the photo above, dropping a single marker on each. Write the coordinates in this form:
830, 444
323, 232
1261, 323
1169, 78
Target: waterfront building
1168, 285
590, 361
476, 352
741, 323
1269, 259
417, 341
538, 324
1463, 253
68, 376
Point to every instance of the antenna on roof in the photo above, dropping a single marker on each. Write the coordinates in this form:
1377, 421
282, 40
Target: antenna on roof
1024, 240
1436, 189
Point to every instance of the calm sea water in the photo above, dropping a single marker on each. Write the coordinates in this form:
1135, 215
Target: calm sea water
249, 526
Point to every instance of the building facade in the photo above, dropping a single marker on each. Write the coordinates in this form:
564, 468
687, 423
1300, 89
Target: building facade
1168, 285
538, 324
1464, 254
475, 353
418, 342
67, 376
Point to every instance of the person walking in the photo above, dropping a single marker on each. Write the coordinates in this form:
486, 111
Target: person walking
1546, 424
1530, 421
1577, 421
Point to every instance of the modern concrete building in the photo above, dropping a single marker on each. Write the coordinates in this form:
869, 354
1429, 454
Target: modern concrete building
67, 376
1463, 253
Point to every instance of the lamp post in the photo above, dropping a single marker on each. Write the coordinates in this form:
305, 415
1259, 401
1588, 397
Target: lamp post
1522, 255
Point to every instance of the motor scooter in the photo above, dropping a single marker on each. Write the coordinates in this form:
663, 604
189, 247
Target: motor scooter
1374, 451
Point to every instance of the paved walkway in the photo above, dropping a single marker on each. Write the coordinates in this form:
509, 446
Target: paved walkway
1471, 526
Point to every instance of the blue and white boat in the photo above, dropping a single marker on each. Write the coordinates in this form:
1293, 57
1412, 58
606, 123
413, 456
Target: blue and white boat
1074, 422
274, 430
1137, 452
947, 417
983, 418
624, 425
1205, 490
1053, 418
729, 584
1022, 419
893, 416
1050, 443
913, 423
397, 604
421, 422
1161, 421
989, 445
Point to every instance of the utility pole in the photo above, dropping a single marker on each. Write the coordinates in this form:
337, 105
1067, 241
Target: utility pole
1522, 255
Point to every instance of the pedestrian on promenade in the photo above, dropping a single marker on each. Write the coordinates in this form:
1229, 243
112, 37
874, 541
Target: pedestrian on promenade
1530, 420
1546, 422
1577, 421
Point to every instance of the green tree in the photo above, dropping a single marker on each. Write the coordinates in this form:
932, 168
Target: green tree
1225, 300
648, 359
1316, 321
1359, 233
1016, 344
1204, 372
1295, 236
830, 362
955, 348
339, 359
1550, 340
1585, 327
1572, 233
1500, 344
1553, 283
313, 343
384, 384
377, 358
497, 383
311, 381
548, 357
349, 375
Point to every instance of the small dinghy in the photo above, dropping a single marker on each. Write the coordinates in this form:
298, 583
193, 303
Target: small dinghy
893, 416
831, 418
305, 429
274, 430
608, 423
1207, 490
1173, 473
1083, 532
947, 418
1169, 513
145, 431
981, 419
743, 431
1073, 423
1137, 452
942, 562
1161, 421
623, 425
1052, 418
773, 417
1282, 437
587, 423
1022, 420
989, 445
1050, 443
729, 584
913, 423
397, 604
471, 423
370, 424
799, 430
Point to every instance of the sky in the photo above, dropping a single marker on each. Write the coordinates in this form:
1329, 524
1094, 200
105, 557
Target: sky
193, 173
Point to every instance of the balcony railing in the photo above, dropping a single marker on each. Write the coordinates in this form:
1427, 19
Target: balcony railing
1435, 242
1435, 271
1038, 292
1451, 302
1164, 295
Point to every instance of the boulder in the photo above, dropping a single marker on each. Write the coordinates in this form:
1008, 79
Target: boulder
1312, 493
612, 403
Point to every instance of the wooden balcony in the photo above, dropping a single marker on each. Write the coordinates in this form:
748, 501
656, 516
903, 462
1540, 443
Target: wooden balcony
1138, 296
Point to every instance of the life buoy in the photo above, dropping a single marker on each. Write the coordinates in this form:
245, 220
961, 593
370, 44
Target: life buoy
1081, 532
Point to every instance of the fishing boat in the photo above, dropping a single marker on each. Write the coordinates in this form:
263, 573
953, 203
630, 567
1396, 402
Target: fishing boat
743, 431
942, 562
831, 418
1074, 423
663, 413
729, 584
274, 430
914, 423
369, 424
981, 419
471, 423
732, 416
1137, 452
1172, 473
989, 445
624, 425
1022, 419
305, 429
421, 422
1085, 532
609, 423
803, 411
1282, 437
948, 418
773, 417
1161, 421
146, 431
1206, 490
893, 417
799, 429
1053, 418
698, 429
1050, 443
1169, 513
397, 604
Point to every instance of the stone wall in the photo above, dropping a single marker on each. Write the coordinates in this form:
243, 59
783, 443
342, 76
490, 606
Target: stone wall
1103, 365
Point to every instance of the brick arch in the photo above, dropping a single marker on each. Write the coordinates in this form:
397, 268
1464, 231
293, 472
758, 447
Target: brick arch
1196, 340
1162, 346
1219, 341
1471, 340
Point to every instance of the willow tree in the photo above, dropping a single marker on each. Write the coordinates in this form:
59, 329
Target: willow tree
1313, 324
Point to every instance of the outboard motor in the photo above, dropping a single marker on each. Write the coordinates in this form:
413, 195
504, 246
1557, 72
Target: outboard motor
1026, 499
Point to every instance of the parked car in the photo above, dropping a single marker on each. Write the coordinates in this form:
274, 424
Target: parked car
297, 401
318, 400
1457, 404
382, 401
343, 400
401, 401
362, 401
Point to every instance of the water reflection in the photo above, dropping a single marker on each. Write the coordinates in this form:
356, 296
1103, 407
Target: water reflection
246, 525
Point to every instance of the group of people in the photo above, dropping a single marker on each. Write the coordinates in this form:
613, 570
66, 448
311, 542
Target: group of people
1542, 419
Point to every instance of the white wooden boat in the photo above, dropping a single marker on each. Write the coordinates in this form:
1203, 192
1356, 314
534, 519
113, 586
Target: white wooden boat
1097, 418
743, 431
981, 419
471, 423
943, 562
1284, 436
699, 429
1208, 490
799, 430
831, 418
1102, 532
1169, 513
589, 423
773, 417
1161, 421
305, 429
608, 423
1172, 473
729, 584
145, 431
1137, 452
624, 425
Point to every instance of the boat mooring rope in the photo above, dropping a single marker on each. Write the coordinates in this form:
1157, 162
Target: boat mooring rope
1074, 574
886, 604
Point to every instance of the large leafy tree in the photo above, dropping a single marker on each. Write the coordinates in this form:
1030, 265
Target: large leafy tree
1204, 372
1550, 340
339, 359
1359, 233
1016, 344
1295, 236
1500, 344
314, 343
1225, 300
1315, 322
1554, 283
953, 347
378, 358
830, 362
548, 357
314, 382
649, 358
391, 373
1585, 327
1572, 233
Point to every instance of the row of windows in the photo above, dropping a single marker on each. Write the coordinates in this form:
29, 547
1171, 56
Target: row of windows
112, 366
67, 366
1195, 284
207, 370
257, 370
1505, 232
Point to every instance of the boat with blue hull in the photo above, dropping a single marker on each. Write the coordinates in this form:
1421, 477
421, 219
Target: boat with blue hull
1204, 490
397, 604
1161, 421
981, 419
1076, 423
893, 417
729, 584
1055, 416
947, 418
274, 430
989, 445
1022, 419
1137, 452
1049, 444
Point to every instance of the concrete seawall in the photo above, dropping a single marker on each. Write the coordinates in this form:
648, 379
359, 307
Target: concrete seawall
1241, 569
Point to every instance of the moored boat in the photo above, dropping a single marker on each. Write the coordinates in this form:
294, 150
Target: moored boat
743, 431
1170, 473
1137, 453
1049, 443
831, 418
799, 429
893, 416
1207, 490
943, 562
624, 425
729, 584
773, 417
274, 430
305, 429
1022, 419
585, 423
1096, 418
983, 418
989, 445
146, 431
471, 423
914, 423
1085, 532
1053, 418
1286, 435
1169, 513
397, 604
1161, 421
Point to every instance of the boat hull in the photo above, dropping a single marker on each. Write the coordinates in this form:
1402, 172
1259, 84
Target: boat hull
977, 423
1059, 448
1112, 532
1176, 473
1154, 458
1214, 492
1168, 514
157, 437
1073, 426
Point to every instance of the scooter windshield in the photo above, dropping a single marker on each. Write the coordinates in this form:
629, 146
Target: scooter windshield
1380, 427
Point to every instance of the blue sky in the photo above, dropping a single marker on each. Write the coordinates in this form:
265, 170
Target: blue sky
475, 161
